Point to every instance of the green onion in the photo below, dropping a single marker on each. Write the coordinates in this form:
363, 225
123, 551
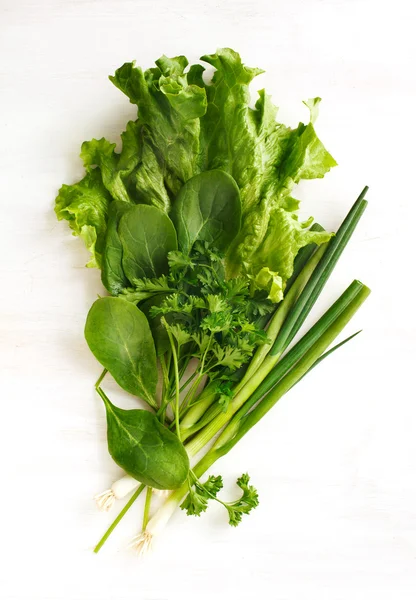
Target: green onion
306, 361
300, 369
297, 352
329, 352
320, 276
118, 518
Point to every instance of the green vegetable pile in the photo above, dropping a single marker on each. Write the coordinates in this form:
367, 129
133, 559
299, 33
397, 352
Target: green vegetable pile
210, 273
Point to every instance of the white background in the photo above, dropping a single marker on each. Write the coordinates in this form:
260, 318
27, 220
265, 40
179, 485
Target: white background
335, 461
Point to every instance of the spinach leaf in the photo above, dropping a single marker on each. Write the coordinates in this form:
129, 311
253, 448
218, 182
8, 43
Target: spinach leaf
147, 235
207, 208
144, 448
119, 336
112, 273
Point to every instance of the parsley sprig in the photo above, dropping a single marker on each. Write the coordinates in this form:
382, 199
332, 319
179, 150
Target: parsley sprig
209, 318
196, 502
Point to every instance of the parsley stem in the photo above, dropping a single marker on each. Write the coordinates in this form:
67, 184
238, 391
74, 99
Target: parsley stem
188, 381
191, 393
146, 513
177, 378
118, 518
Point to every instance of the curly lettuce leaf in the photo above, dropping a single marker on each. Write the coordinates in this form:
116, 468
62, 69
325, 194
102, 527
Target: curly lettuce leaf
186, 126
268, 280
85, 206
115, 168
159, 152
284, 238
265, 158
169, 108
313, 105
244, 142
304, 157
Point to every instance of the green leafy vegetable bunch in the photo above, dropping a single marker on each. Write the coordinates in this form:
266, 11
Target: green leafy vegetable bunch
210, 274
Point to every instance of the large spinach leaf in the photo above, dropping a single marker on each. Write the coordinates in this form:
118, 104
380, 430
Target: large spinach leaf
144, 448
147, 235
119, 336
112, 272
207, 208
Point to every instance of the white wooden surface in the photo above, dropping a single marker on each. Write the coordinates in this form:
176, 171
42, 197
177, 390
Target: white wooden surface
335, 462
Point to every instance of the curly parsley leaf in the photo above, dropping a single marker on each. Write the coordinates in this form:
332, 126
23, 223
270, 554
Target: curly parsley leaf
182, 337
146, 288
196, 502
217, 321
179, 261
225, 394
229, 357
199, 495
216, 303
245, 504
